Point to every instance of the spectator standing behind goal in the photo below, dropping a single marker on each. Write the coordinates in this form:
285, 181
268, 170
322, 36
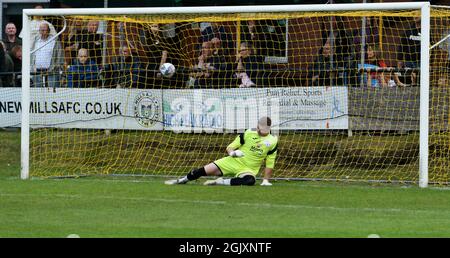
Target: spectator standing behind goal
48, 60
321, 73
16, 56
6, 66
35, 25
250, 67
11, 40
84, 71
246, 155
88, 39
217, 30
210, 71
444, 47
440, 60
68, 39
127, 69
409, 49
374, 61
157, 53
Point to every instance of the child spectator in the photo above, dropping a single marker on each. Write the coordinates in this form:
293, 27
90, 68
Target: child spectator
372, 61
16, 56
378, 79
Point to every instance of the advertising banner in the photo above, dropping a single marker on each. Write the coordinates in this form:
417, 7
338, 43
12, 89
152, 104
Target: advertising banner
191, 110
84, 108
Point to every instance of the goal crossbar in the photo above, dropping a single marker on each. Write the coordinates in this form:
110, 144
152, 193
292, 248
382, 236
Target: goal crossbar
230, 9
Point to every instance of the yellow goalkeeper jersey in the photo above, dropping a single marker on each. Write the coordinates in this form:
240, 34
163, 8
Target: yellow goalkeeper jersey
256, 149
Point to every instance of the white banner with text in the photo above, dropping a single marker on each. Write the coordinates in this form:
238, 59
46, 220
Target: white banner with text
190, 110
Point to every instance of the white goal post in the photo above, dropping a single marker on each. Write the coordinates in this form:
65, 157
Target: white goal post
423, 7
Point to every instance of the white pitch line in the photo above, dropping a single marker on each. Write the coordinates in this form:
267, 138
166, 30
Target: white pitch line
256, 205
279, 182
268, 205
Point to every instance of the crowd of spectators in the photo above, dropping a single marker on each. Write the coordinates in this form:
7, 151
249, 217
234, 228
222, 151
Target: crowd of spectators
81, 58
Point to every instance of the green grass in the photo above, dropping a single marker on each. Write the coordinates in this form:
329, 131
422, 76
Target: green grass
9, 154
106, 207
145, 207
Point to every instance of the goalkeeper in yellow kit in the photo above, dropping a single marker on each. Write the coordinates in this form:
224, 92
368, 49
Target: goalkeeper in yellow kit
246, 155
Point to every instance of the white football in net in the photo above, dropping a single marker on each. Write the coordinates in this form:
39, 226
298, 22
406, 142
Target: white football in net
167, 70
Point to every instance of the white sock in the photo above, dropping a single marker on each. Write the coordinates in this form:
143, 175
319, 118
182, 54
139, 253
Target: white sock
183, 179
226, 182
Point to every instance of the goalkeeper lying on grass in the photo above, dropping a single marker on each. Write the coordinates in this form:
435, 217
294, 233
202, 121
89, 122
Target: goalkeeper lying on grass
246, 154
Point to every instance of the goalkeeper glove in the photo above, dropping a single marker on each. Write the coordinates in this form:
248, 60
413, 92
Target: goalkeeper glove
236, 153
266, 182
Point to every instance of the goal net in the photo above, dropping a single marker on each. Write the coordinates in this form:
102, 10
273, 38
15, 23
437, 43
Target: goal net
342, 84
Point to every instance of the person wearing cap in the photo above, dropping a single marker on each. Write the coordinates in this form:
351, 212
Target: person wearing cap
245, 157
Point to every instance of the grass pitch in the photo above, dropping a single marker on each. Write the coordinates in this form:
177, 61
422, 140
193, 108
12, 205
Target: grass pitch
145, 207
105, 207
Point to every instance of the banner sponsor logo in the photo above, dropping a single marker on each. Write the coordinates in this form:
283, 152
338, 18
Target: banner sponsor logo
146, 109
193, 110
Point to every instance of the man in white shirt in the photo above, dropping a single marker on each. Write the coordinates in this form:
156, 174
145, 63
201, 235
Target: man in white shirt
48, 59
35, 25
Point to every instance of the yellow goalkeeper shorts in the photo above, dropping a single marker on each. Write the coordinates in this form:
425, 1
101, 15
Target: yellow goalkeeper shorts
230, 166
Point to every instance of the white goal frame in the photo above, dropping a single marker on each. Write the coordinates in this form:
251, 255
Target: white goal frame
424, 7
